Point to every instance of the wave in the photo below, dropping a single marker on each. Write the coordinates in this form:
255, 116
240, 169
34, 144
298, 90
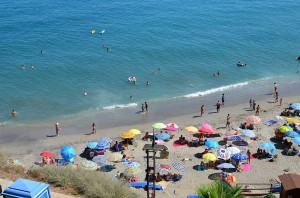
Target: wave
118, 106
214, 90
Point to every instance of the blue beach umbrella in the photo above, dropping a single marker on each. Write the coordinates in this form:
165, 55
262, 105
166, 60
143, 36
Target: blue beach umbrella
225, 166
163, 136
296, 140
296, 106
99, 159
211, 144
92, 145
267, 146
105, 139
68, 152
292, 134
248, 133
239, 156
102, 145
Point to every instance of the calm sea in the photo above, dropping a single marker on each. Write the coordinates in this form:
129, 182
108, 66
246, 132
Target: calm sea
174, 45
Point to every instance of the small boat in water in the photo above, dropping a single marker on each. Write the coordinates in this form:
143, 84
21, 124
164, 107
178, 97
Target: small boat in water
240, 64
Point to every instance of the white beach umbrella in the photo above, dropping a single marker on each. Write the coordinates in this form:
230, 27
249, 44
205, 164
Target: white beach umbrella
233, 150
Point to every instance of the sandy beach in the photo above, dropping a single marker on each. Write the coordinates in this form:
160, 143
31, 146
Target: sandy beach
26, 143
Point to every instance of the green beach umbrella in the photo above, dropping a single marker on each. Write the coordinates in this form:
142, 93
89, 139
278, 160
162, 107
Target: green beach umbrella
159, 125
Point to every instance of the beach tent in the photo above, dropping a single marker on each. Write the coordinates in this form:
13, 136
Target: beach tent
23, 188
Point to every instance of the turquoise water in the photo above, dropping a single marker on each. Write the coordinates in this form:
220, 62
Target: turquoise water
184, 43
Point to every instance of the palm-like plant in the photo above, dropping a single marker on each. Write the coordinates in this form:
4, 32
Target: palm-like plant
219, 189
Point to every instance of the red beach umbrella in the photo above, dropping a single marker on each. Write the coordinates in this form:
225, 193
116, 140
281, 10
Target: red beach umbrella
47, 154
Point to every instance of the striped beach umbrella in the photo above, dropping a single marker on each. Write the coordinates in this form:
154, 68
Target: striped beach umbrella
102, 145
253, 119
179, 166
88, 165
223, 154
99, 159
131, 171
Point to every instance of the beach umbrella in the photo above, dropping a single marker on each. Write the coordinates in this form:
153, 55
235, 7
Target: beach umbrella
211, 144
225, 166
233, 150
239, 156
248, 133
105, 139
206, 128
267, 146
292, 134
47, 154
191, 129
102, 145
99, 159
296, 106
159, 126
246, 167
114, 157
68, 152
163, 136
92, 145
293, 120
210, 157
179, 166
88, 165
296, 140
253, 120
127, 135
172, 127
134, 131
284, 129
131, 171
223, 154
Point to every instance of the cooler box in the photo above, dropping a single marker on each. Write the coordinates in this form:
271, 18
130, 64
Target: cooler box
23, 188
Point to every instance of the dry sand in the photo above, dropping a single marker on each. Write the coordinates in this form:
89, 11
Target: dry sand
23, 148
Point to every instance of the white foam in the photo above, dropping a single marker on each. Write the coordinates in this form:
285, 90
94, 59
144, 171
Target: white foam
118, 106
214, 90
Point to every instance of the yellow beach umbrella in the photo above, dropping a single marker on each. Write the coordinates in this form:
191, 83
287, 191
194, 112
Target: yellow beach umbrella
191, 129
127, 135
294, 120
134, 131
284, 129
210, 157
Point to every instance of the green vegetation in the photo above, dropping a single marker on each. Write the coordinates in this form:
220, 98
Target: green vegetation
79, 182
219, 189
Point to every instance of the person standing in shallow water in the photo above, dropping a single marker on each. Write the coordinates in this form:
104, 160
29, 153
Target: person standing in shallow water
146, 106
94, 128
223, 99
202, 110
57, 128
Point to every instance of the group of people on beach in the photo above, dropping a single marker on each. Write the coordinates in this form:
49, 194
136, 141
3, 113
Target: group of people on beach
144, 107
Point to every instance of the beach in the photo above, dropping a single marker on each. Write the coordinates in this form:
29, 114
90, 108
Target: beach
26, 143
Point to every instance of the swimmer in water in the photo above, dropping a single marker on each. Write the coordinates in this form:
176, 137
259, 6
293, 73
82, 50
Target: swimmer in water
130, 97
31, 67
23, 67
85, 93
147, 83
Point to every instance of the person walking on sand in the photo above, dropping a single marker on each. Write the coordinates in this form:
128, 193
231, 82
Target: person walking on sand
94, 128
146, 106
280, 101
253, 105
276, 96
57, 128
275, 86
250, 103
218, 106
228, 121
223, 99
202, 110
257, 110
249, 156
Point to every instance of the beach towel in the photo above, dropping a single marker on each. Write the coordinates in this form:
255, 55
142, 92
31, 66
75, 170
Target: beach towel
270, 122
213, 135
250, 142
163, 168
163, 184
234, 138
176, 144
179, 166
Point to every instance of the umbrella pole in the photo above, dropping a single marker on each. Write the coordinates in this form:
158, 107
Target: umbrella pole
153, 141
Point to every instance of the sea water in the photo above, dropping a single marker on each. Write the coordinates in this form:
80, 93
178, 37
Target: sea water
176, 46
